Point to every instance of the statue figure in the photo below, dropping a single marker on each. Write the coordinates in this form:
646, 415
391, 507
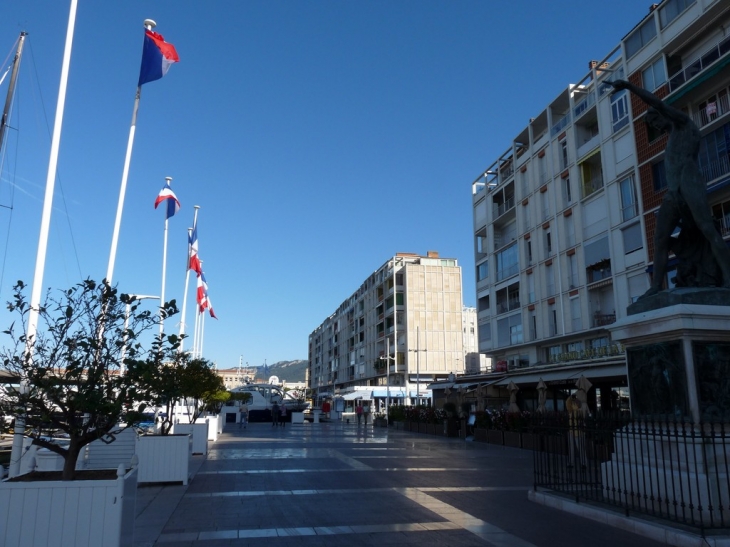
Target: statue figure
686, 199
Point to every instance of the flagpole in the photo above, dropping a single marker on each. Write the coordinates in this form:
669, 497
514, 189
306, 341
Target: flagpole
35, 298
187, 282
149, 24
164, 270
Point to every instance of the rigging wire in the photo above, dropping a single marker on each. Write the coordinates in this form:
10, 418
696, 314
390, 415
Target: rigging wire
41, 105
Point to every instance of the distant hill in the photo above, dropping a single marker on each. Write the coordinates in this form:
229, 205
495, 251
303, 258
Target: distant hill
289, 371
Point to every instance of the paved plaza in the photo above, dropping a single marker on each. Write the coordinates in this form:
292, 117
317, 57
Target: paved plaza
334, 484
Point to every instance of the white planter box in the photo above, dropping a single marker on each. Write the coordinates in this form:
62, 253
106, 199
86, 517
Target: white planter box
297, 417
164, 458
212, 422
199, 432
80, 513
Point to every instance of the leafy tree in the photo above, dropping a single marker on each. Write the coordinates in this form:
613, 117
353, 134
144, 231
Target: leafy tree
201, 387
71, 379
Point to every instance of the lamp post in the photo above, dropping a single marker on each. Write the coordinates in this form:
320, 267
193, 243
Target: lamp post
418, 351
132, 298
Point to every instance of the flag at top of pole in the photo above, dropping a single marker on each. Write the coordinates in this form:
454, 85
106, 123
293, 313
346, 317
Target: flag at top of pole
166, 194
157, 56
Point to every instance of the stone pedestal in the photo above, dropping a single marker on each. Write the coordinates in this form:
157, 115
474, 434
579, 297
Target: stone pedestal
676, 450
678, 361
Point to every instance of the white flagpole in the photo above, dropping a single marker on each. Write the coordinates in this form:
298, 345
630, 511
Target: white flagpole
187, 282
149, 24
202, 334
40, 263
164, 269
196, 328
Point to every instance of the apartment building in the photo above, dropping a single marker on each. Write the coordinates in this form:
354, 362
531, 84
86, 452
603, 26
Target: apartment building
402, 328
564, 219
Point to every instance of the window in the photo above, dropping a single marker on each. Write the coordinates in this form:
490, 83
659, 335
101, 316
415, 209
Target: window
533, 326
507, 262
714, 153
483, 271
632, 238
530, 288
553, 353
659, 176
643, 35
573, 271
567, 195
485, 332
563, 154
553, 320
528, 251
655, 75
629, 207
549, 280
601, 342
481, 242
619, 110
575, 317
637, 287
509, 330
483, 303
569, 231
671, 9
545, 204
548, 243
575, 347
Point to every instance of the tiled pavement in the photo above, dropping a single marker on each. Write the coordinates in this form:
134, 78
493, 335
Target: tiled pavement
333, 484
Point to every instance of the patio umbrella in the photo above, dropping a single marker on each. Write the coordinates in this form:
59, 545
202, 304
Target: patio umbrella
513, 389
541, 395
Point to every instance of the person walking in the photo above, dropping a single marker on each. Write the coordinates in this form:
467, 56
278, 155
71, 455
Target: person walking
243, 413
358, 412
275, 413
283, 414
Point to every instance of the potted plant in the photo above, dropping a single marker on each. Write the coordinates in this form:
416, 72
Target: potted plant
72, 382
451, 427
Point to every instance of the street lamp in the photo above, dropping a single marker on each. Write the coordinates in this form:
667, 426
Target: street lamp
418, 351
132, 298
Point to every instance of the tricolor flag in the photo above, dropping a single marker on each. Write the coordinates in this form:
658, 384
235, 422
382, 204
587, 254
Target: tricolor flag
166, 194
203, 299
157, 56
193, 259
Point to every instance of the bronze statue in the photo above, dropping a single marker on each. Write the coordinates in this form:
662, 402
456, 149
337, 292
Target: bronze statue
685, 203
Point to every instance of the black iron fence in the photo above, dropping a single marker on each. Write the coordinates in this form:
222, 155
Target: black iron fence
666, 468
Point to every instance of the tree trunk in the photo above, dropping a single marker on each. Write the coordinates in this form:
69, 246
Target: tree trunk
69, 462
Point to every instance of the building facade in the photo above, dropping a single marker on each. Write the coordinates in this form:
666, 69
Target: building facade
564, 219
403, 327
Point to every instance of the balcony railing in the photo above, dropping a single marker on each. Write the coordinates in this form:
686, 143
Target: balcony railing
502, 208
603, 319
716, 169
509, 271
592, 185
707, 115
705, 60
504, 307
588, 101
562, 124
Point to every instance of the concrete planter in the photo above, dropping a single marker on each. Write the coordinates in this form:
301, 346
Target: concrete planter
480, 435
199, 433
495, 437
513, 439
80, 513
164, 458
297, 417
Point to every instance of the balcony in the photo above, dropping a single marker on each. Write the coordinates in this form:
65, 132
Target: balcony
511, 304
603, 319
712, 111
582, 107
706, 59
562, 124
502, 208
592, 185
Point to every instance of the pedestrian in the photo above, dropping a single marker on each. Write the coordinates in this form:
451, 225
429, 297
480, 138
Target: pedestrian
243, 413
275, 413
283, 414
365, 412
358, 412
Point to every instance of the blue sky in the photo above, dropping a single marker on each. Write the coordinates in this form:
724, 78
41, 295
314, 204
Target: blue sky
319, 138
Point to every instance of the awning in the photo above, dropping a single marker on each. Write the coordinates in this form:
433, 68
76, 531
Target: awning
354, 395
440, 385
564, 375
383, 393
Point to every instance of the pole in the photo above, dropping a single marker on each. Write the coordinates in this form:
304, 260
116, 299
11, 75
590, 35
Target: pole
187, 282
149, 25
11, 87
35, 298
126, 324
164, 271
418, 366
387, 379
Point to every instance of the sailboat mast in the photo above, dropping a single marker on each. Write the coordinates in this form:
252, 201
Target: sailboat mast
11, 87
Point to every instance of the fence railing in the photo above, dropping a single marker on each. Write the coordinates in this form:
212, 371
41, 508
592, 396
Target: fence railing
664, 468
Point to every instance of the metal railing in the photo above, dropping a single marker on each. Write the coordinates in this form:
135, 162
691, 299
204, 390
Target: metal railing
706, 59
664, 468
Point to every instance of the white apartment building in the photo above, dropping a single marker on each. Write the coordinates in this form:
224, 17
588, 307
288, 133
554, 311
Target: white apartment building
402, 328
564, 218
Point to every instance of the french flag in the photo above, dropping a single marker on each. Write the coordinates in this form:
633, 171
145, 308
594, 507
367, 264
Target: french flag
157, 56
166, 194
193, 259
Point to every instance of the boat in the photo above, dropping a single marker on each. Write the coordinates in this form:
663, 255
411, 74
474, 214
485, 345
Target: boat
262, 398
